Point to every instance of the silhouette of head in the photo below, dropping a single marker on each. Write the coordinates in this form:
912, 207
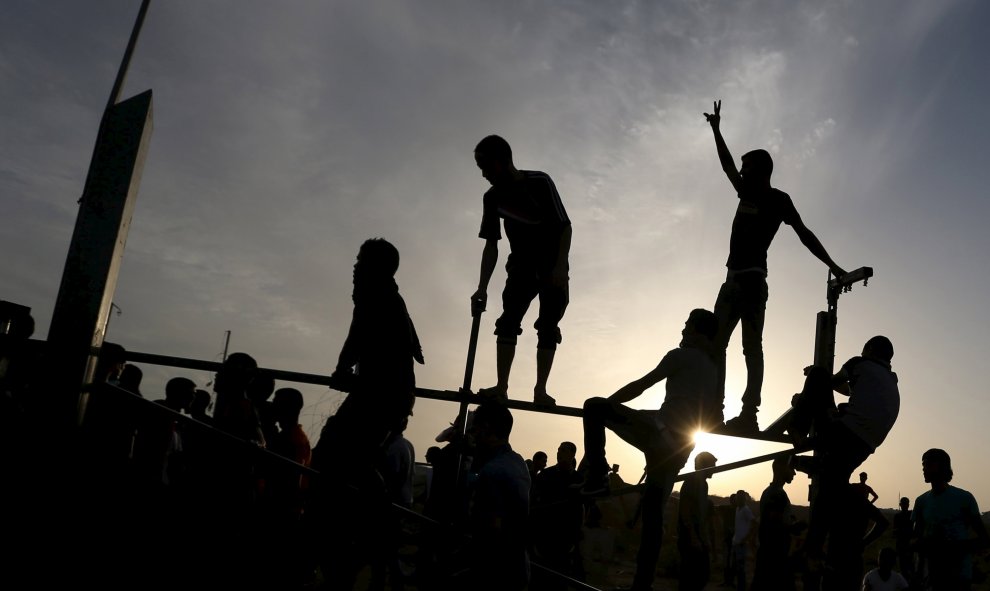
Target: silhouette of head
879, 348
702, 322
378, 259
261, 387
905, 503
110, 363
782, 470
433, 455
567, 454
236, 373
540, 460
492, 425
130, 378
705, 460
886, 559
615, 468
936, 466
494, 157
741, 498
287, 405
201, 402
757, 166
180, 393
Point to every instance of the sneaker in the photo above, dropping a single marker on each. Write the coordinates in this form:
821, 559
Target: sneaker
544, 399
493, 393
744, 424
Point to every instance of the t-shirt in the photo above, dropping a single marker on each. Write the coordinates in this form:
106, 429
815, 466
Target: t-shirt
874, 400
692, 389
744, 523
873, 582
694, 493
397, 472
775, 536
534, 218
502, 495
758, 217
942, 518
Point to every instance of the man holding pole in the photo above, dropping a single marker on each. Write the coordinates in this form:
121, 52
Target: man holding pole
539, 234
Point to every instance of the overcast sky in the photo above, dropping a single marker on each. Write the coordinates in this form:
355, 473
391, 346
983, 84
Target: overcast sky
287, 133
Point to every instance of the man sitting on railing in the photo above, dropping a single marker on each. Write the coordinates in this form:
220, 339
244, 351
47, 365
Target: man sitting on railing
665, 436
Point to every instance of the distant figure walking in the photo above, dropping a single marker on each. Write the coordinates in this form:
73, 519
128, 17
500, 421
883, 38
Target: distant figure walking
948, 526
693, 526
539, 234
664, 436
743, 296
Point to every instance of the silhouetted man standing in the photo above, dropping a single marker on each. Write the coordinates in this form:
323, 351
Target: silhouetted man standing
946, 519
539, 234
743, 296
376, 368
774, 571
693, 532
500, 509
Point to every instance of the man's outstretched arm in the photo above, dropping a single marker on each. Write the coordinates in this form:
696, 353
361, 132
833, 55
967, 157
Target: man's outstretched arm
489, 258
724, 156
635, 388
811, 242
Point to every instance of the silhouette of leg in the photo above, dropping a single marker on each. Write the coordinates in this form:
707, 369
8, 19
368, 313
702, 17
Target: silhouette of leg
544, 361
659, 484
754, 306
553, 302
727, 312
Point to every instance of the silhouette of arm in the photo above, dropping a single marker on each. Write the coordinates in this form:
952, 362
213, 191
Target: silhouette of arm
560, 270
724, 156
635, 388
811, 242
489, 258
982, 540
872, 493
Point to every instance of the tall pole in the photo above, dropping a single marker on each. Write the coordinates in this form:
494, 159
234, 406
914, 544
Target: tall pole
92, 265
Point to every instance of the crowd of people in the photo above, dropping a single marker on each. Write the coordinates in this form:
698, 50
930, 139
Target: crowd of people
246, 479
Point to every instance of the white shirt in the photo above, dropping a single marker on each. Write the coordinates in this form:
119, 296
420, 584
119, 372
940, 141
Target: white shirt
873, 582
744, 523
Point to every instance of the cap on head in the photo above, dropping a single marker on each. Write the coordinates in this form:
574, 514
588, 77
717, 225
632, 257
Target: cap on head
704, 460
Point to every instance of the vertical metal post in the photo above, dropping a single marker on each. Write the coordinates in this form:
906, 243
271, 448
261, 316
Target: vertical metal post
92, 265
466, 388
